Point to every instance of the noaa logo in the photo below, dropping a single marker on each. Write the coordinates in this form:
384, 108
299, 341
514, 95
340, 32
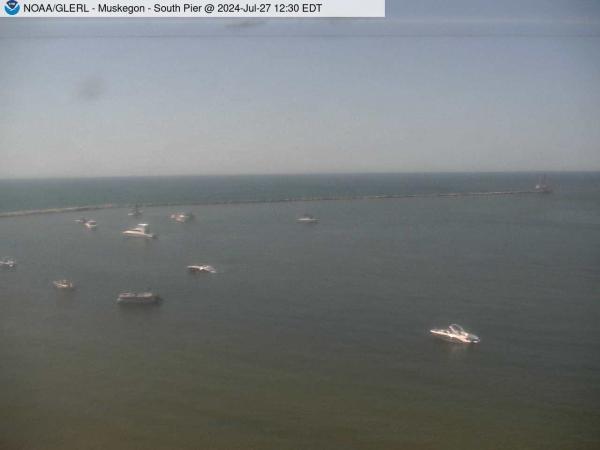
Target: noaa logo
12, 7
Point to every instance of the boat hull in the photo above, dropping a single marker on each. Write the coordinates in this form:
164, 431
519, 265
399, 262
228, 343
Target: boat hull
138, 301
139, 235
201, 269
469, 339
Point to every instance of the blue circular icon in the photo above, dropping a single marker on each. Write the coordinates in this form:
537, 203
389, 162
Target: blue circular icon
12, 7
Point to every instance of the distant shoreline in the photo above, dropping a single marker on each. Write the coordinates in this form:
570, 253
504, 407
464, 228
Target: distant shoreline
32, 212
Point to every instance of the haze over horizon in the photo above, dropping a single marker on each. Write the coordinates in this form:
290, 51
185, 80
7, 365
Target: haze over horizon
538, 173
467, 87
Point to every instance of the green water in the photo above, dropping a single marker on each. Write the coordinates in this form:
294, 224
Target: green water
309, 337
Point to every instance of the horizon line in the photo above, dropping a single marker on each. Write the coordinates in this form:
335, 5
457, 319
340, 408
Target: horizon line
292, 174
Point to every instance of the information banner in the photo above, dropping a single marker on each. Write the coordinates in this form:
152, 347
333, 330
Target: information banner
192, 8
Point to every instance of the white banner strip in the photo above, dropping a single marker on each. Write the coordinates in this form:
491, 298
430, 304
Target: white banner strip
191, 8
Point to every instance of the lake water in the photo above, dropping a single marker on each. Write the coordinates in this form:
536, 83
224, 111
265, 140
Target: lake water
309, 337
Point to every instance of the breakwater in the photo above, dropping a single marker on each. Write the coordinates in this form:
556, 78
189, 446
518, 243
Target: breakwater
281, 200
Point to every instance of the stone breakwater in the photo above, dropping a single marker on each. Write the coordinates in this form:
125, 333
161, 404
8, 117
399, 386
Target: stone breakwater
282, 200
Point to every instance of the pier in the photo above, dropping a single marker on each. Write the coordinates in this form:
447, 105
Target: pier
281, 200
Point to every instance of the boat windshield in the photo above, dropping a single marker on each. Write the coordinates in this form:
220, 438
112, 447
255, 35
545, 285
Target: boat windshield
457, 329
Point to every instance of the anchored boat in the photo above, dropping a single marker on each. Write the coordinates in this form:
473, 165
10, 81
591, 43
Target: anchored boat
455, 333
138, 298
307, 218
201, 269
63, 284
182, 217
7, 263
135, 211
140, 231
543, 187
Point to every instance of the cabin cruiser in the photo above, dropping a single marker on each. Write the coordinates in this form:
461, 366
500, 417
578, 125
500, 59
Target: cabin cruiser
307, 218
81, 220
201, 269
455, 333
91, 224
182, 217
138, 298
63, 284
135, 211
7, 263
140, 231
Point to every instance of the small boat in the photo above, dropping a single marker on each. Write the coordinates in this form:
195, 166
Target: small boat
543, 187
135, 211
91, 224
455, 333
140, 231
182, 217
201, 269
63, 284
7, 263
81, 220
307, 218
138, 298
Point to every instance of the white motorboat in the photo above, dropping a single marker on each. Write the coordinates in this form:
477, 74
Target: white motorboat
307, 218
140, 231
7, 263
81, 220
138, 298
63, 284
182, 217
91, 224
201, 269
455, 333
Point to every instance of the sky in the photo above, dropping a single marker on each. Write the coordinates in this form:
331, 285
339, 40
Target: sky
435, 86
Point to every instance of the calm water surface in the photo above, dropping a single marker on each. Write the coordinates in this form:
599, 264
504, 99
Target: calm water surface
309, 337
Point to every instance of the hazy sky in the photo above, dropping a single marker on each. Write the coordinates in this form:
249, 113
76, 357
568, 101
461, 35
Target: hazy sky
436, 86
